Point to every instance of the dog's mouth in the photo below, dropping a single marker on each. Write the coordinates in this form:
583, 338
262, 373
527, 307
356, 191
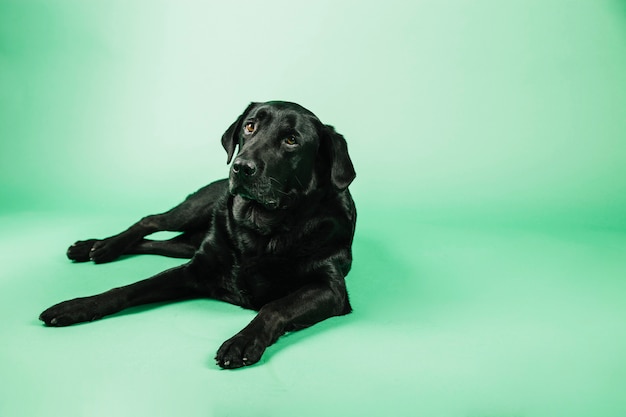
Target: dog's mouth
264, 199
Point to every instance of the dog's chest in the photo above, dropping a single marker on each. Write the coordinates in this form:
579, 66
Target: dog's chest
266, 271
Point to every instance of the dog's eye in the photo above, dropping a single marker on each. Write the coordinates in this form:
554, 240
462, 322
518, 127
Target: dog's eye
290, 140
250, 127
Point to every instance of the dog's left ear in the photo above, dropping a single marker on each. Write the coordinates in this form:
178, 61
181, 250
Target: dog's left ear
341, 168
230, 138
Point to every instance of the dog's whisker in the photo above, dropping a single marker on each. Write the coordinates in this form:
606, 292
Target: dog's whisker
299, 182
275, 180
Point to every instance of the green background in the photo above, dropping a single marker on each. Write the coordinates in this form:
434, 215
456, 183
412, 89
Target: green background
489, 139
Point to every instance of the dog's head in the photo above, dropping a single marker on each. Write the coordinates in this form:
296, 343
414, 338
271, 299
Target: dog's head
285, 153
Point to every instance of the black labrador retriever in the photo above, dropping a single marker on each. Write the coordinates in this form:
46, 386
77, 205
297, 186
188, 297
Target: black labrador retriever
275, 236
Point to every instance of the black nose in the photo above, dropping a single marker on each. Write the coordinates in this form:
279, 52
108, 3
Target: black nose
244, 167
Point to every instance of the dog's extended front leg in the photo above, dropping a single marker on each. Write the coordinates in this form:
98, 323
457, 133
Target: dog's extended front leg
173, 284
303, 308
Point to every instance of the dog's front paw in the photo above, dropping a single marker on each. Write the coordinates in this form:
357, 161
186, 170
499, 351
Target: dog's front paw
71, 312
80, 251
240, 350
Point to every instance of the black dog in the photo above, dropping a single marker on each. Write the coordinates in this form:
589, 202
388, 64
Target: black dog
275, 237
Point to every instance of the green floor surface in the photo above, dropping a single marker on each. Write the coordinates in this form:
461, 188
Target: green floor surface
470, 320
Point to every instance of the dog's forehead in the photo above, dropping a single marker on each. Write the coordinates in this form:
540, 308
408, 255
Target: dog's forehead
286, 114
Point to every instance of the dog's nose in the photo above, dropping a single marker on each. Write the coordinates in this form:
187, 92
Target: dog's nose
244, 167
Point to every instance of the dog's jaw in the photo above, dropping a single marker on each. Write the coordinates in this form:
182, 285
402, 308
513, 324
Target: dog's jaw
255, 215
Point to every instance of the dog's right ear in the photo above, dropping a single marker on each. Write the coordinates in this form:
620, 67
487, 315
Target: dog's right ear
230, 138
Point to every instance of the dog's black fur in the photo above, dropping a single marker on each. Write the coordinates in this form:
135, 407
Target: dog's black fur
275, 237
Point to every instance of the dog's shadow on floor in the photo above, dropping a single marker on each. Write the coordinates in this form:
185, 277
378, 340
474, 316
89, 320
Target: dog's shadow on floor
381, 287
382, 284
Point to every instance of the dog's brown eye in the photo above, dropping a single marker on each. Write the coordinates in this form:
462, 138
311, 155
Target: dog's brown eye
290, 140
249, 127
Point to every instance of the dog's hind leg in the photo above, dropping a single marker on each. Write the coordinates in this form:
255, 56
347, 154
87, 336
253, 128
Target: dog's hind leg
111, 248
182, 246
193, 215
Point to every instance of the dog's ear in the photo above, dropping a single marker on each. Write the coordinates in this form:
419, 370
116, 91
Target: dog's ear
335, 147
230, 138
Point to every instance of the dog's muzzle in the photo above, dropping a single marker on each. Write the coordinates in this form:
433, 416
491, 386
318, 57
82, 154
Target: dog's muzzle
246, 182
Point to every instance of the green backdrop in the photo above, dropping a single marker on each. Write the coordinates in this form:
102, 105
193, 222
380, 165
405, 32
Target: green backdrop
489, 139
510, 108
